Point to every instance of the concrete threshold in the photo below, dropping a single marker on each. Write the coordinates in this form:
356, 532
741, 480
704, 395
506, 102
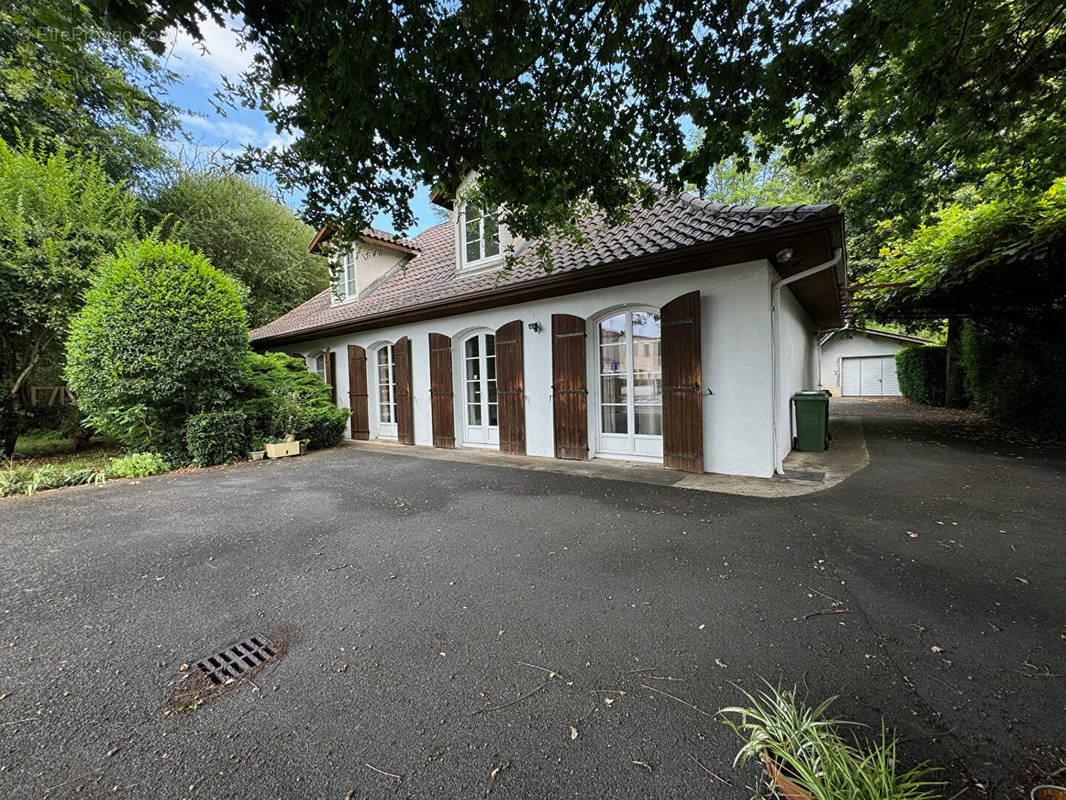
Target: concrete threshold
805, 473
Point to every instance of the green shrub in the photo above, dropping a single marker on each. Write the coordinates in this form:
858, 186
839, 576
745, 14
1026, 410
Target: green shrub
1016, 372
162, 335
319, 426
922, 373
26, 480
281, 396
217, 437
137, 465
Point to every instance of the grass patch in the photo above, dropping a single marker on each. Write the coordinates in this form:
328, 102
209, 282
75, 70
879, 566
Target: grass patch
48, 460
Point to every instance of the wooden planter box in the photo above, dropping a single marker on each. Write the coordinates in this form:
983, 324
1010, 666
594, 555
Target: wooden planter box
282, 449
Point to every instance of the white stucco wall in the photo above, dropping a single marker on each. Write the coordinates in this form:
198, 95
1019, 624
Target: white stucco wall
796, 363
737, 431
847, 345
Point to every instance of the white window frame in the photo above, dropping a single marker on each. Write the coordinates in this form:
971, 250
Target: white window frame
346, 287
482, 260
316, 363
485, 434
386, 430
631, 446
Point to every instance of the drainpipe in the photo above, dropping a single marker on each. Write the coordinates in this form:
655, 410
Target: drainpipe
775, 299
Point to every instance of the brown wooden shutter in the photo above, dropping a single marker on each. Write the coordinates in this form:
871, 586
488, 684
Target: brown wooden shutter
405, 417
570, 387
358, 396
682, 377
331, 371
510, 388
440, 390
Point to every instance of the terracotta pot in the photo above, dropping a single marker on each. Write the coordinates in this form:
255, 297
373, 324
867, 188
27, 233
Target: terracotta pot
785, 787
1049, 793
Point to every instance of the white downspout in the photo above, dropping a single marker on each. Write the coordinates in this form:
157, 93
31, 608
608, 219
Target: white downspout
775, 299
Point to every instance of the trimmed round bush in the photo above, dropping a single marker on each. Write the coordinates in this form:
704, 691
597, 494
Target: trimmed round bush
216, 437
922, 373
162, 336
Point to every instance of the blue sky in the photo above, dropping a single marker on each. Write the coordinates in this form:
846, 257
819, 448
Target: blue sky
202, 65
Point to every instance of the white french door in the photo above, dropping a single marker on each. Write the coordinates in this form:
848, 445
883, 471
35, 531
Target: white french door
630, 385
479, 376
385, 381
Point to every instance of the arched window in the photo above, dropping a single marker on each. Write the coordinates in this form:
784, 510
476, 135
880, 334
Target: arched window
316, 362
479, 380
630, 383
385, 382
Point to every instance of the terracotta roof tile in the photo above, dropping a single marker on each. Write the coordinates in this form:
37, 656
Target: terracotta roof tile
672, 222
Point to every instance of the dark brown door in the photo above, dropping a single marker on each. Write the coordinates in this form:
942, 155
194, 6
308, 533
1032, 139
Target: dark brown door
682, 379
511, 390
440, 390
570, 387
331, 375
405, 417
358, 396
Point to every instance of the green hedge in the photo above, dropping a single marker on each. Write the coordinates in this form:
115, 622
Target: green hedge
1016, 373
321, 427
922, 373
216, 437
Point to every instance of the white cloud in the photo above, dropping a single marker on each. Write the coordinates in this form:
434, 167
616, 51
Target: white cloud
220, 53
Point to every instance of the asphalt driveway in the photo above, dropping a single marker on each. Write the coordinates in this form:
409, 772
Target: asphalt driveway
409, 594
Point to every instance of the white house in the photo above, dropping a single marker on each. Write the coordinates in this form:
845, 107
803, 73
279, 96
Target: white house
675, 338
861, 362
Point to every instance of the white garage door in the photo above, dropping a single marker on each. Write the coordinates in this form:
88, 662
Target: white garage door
869, 376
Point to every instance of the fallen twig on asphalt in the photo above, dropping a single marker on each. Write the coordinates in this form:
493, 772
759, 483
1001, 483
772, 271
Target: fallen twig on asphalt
823, 594
663, 678
383, 772
18, 721
678, 699
826, 613
516, 700
642, 669
709, 772
551, 672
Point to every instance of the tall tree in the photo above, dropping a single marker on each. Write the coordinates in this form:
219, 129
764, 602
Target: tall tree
59, 213
245, 232
66, 76
558, 102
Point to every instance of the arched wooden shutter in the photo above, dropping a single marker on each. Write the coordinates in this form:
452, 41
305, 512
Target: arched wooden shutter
358, 396
569, 387
510, 388
405, 417
331, 372
440, 389
682, 379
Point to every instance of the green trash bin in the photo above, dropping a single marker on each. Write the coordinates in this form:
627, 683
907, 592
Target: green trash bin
812, 421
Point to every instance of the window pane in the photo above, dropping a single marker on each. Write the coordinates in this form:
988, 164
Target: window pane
471, 347
613, 358
646, 325
473, 393
492, 236
647, 388
613, 389
492, 391
385, 411
647, 355
649, 420
613, 329
473, 414
473, 240
490, 344
473, 369
494, 419
614, 419
490, 368
383, 355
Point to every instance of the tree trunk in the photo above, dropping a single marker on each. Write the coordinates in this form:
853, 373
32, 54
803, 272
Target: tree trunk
9, 424
954, 392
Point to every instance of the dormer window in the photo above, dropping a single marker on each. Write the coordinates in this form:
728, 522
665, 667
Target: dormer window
481, 235
346, 286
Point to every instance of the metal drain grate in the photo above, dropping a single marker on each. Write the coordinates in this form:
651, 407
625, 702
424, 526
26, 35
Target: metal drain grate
237, 659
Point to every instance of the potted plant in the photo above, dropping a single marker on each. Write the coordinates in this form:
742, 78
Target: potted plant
806, 757
280, 448
258, 450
